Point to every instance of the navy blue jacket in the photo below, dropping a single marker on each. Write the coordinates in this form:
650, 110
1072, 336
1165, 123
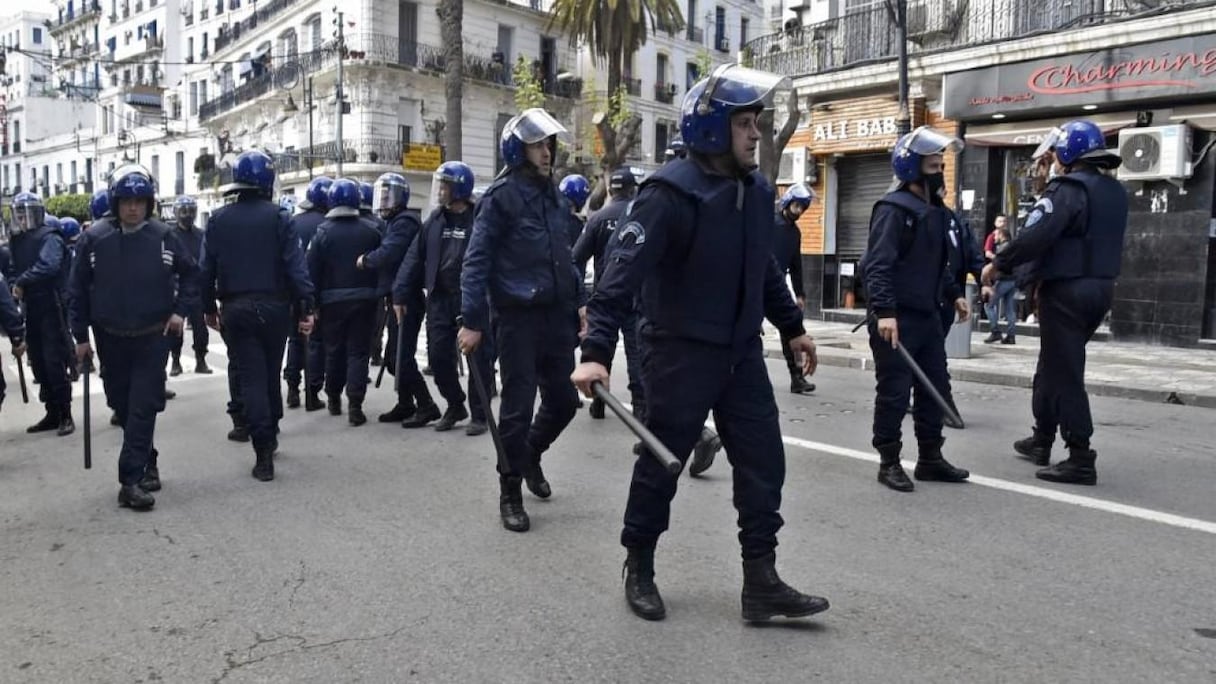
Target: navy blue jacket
519, 253
11, 322
39, 263
1075, 230
593, 243
129, 282
386, 259
964, 255
331, 260
304, 226
787, 250
6, 262
420, 269
249, 248
191, 238
699, 248
905, 265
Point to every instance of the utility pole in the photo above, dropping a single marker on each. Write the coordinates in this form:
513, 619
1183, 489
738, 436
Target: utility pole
308, 103
898, 10
338, 87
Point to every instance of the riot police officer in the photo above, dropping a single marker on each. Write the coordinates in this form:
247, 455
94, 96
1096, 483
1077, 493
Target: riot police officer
133, 284
675, 150
577, 189
346, 296
1075, 233
788, 251
185, 211
698, 245
253, 266
519, 264
307, 350
39, 275
906, 274
963, 258
12, 324
414, 407
434, 263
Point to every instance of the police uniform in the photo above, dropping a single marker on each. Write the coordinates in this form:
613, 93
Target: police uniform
39, 269
128, 282
1075, 232
191, 238
434, 263
787, 250
963, 257
253, 266
11, 324
347, 300
301, 349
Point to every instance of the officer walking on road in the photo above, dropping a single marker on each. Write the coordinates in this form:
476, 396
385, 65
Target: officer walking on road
133, 284
519, 263
788, 252
906, 274
253, 266
434, 262
307, 350
185, 210
39, 275
346, 295
1075, 232
698, 245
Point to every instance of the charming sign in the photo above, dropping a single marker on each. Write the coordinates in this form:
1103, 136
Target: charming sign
1124, 74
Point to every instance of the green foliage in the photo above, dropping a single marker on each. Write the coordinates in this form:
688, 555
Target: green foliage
705, 64
76, 206
528, 90
618, 108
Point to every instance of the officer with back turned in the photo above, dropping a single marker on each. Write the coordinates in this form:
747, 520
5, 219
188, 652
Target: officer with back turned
308, 350
133, 284
1075, 233
698, 245
253, 266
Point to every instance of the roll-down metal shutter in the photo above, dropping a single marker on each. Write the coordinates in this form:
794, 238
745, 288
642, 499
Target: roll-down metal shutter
861, 180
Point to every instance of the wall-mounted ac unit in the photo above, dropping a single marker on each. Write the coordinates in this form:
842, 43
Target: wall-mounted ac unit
928, 19
724, 44
1155, 153
793, 167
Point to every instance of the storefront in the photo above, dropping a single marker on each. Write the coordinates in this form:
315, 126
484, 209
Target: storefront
1145, 97
847, 150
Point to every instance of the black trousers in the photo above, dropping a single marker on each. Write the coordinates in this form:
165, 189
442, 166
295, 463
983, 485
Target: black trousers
257, 334
134, 384
46, 335
443, 356
1070, 311
348, 340
920, 333
198, 328
411, 386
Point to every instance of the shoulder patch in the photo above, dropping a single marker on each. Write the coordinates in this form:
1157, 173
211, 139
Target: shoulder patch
636, 230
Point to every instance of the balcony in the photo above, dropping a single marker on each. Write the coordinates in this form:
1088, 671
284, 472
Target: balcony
372, 150
77, 52
665, 92
695, 35
232, 33
69, 20
934, 26
632, 86
148, 96
139, 49
263, 83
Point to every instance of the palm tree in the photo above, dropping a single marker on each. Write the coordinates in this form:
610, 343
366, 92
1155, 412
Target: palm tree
451, 25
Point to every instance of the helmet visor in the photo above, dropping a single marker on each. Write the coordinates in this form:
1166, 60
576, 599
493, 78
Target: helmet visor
1048, 144
388, 196
27, 217
739, 86
534, 125
926, 141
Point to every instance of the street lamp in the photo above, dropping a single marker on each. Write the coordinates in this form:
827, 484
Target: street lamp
898, 11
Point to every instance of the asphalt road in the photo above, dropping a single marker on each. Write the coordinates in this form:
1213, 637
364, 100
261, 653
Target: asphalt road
377, 556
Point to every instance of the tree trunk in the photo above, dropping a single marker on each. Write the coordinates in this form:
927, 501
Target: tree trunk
771, 146
451, 18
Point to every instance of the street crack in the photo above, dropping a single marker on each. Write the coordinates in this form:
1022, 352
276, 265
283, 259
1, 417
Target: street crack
295, 583
299, 643
162, 536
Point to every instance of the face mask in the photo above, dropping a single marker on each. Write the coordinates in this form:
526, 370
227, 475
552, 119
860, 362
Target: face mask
934, 183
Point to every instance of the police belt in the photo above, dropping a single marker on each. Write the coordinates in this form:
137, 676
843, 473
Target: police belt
255, 297
150, 330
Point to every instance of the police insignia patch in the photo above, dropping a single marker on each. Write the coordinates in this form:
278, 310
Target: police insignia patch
1041, 208
636, 230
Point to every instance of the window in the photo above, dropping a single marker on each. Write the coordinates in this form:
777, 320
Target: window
156, 170
193, 98
743, 26
692, 73
179, 183
289, 44
74, 177
662, 136
190, 49
720, 41
314, 32
202, 91
660, 71
59, 174
37, 36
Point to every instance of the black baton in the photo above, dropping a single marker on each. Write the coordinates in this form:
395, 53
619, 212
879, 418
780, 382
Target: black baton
661, 453
399, 352
949, 416
85, 371
479, 384
376, 340
25, 391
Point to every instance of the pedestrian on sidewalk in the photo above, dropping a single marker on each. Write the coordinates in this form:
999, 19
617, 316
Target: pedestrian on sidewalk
696, 249
906, 273
1003, 293
1075, 231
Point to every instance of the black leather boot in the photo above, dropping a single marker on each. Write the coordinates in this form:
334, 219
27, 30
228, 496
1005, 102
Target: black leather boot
133, 497
293, 396
511, 504
66, 425
312, 401
151, 478
800, 385
240, 429
334, 404
425, 415
263, 468
597, 409
397, 413
1036, 448
640, 591
1077, 469
890, 472
703, 453
200, 363
355, 415
49, 422
535, 478
175, 369
931, 466
454, 414
766, 596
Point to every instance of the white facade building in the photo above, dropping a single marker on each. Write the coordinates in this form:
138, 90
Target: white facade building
268, 81
24, 90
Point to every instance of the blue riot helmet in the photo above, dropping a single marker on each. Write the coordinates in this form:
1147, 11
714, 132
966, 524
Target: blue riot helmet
27, 212
459, 178
914, 147
343, 198
253, 170
365, 196
132, 181
576, 189
69, 228
708, 105
54, 222
185, 210
99, 205
288, 203
390, 195
527, 128
799, 194
317, 195
1048, 144
1082, 140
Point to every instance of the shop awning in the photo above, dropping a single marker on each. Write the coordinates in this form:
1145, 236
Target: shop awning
1030, 133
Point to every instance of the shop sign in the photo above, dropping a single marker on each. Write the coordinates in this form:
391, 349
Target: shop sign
864, 128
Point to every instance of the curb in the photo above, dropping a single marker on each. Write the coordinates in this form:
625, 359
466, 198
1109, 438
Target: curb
1101, 389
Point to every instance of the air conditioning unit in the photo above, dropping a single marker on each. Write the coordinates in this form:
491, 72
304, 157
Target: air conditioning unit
928, 18
724, 44
1155, 153
793, 167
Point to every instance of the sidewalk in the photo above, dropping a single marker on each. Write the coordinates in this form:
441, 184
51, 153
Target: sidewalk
1113, 369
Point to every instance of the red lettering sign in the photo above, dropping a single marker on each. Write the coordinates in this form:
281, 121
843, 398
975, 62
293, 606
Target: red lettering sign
1166, 71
